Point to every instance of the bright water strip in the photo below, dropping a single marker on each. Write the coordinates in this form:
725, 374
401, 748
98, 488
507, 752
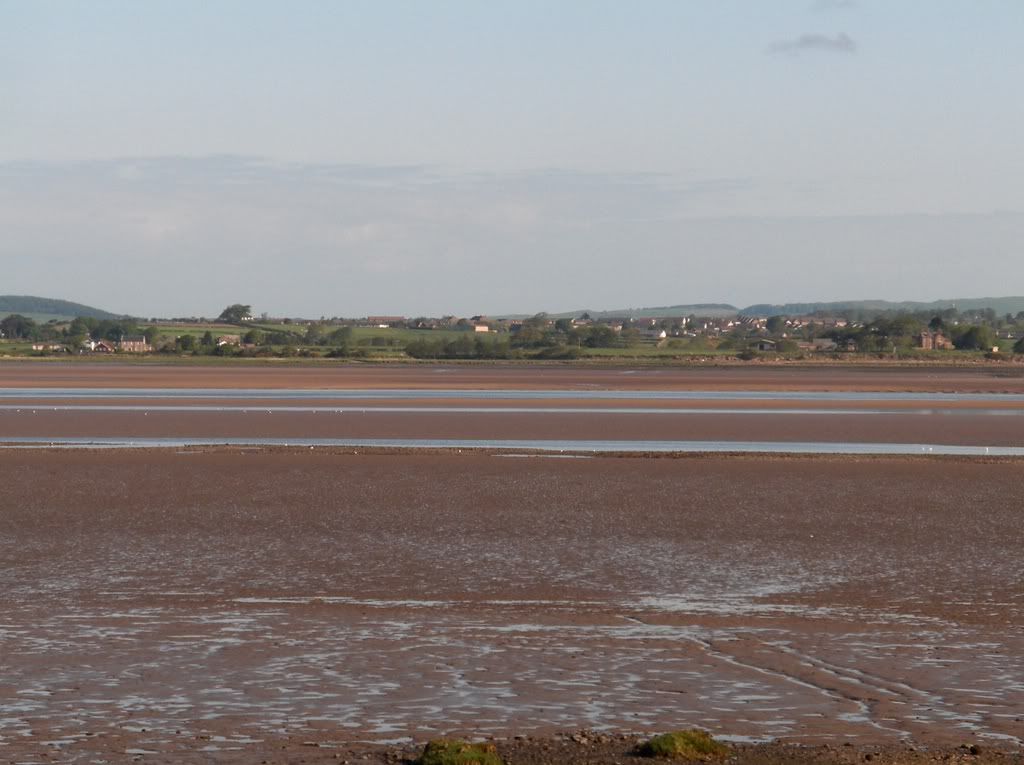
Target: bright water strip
745, 447
289, 409
577, 395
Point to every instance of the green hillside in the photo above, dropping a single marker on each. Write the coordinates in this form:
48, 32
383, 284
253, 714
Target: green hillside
1001, 305
28, 305
704, 310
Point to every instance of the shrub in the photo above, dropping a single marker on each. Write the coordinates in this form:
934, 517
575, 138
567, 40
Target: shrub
684, 745
559, 352
454, 752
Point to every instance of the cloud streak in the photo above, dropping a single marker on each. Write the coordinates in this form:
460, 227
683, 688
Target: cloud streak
814, 43
317, 238
179, 236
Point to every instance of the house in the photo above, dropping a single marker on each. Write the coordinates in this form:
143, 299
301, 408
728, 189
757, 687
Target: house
933, 341
481, 328
134, 344
48, 347
99, 346
653, 334
765, 345
383, 322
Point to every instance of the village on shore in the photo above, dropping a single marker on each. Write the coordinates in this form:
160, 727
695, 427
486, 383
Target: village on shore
238, 332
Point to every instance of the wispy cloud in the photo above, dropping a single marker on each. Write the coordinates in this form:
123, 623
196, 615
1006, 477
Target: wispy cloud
814, 43
318, 234
189, 235
833, 5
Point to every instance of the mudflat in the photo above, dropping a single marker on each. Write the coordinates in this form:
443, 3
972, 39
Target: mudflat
411, 403
982, 378
269, 604
218, 605
945, 425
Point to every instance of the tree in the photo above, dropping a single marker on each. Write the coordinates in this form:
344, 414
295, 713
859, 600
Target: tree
974, 338
314, 335
253, 337
341, 337
80, 327
1018, 347
108, 329
235, 314
599, 336
533, 332
17, 327
775, 324
563, 325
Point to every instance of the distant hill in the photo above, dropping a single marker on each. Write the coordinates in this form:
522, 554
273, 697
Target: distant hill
1000, 305
708, 310
28, 305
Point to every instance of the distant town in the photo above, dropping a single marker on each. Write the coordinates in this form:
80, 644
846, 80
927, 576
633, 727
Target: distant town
239, 332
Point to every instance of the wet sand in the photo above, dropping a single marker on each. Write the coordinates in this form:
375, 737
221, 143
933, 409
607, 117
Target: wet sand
984, 378
236, 605
214, 605
565, 404
949, 425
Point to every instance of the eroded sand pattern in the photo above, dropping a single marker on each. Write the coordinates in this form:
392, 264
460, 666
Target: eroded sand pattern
160, 597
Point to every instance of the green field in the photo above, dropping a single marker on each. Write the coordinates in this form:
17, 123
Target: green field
40, 318
174, 330
651, 351
404, 336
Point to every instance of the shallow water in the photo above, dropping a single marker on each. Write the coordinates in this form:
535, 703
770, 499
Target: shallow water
590, 395
592, 446
973, 412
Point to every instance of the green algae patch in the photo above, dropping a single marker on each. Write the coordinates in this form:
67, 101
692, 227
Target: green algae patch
684, 745
454, 752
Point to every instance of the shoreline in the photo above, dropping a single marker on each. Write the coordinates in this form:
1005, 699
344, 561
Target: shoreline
988, 378
30, 447
575, 747
1010, 362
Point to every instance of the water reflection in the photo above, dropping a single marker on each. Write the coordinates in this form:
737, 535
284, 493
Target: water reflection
552, 446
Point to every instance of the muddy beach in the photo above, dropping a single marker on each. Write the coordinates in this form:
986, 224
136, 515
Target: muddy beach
889, 406
983, 378
178, 602
949, 425
215, 604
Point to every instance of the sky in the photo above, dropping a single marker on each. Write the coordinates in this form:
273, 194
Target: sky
427, 157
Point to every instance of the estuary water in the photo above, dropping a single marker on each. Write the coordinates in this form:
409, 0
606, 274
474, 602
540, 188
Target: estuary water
545, 421
525, 445
582, 395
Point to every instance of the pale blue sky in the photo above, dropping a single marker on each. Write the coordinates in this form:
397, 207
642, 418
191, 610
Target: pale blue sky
343, 158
